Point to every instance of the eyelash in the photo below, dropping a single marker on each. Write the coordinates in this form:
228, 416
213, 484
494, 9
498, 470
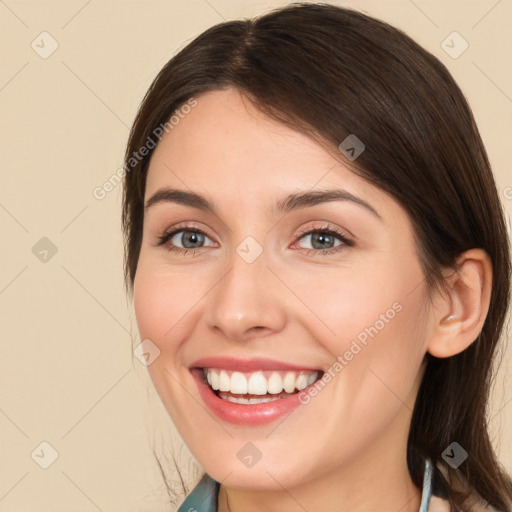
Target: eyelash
329, 230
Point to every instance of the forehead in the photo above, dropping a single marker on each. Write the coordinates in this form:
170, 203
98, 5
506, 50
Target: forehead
225, 147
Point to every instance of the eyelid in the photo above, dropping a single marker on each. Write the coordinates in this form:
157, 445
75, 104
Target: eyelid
308, 229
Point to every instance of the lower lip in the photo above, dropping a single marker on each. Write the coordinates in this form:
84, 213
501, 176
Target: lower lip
244, 414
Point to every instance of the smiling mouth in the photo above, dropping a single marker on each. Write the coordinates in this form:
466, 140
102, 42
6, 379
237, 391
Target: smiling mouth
258, 387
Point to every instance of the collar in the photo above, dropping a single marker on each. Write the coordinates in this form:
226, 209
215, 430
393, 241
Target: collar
203, 497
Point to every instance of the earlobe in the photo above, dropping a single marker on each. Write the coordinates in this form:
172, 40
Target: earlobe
462, 308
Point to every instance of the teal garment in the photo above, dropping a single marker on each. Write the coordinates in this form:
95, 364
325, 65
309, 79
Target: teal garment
203, 498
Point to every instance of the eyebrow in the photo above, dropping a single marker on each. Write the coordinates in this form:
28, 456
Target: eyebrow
293, 201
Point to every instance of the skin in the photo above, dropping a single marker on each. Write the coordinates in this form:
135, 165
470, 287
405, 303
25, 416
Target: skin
346, 449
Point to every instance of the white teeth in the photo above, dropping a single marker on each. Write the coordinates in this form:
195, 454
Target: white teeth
250, 401
289, 382
224, 381
238, 384
259, 382
275, 383
312, 378
263, 400
301, 382
213, 379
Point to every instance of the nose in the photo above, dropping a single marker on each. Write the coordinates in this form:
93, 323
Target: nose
246, 302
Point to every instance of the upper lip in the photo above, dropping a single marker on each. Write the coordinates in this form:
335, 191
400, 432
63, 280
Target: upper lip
247, 365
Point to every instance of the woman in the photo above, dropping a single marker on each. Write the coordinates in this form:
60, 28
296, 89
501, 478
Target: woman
318, 259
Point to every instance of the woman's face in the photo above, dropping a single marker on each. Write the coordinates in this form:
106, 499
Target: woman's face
268, 288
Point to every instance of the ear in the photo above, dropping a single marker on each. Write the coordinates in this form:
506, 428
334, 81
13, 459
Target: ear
460, 311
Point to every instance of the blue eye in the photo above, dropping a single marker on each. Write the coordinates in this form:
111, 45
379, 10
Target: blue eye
324, 240
191, 238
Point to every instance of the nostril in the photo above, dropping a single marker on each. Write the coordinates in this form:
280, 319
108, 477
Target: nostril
259, 330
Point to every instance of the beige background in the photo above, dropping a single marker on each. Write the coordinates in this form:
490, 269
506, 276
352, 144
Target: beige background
67, 374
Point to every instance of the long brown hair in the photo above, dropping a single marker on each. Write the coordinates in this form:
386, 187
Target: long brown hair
329, 72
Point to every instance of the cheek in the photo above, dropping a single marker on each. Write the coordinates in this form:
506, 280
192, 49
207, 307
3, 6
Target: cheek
377, 349
372, 322
154, 306
372, 295
347, 304
164, 300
